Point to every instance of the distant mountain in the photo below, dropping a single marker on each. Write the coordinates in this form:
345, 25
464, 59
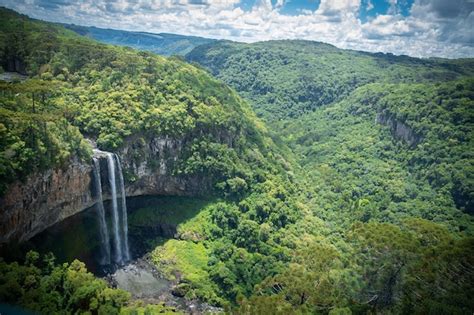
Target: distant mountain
162, 43
288, 78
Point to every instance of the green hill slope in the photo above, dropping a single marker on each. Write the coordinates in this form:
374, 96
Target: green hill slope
374, 220
381, 139
79, 88
358, 151
285, 79
108, 94
415, 123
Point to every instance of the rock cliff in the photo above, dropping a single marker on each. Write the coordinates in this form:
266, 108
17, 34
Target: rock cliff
43, 199
399, 129
149, 168
46, 198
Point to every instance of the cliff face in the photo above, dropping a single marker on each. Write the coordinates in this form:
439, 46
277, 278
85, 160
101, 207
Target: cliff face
399, 129
148, 168
44, 199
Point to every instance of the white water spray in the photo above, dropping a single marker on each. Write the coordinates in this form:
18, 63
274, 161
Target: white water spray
126, 252
115, 214
104, 232
118, 210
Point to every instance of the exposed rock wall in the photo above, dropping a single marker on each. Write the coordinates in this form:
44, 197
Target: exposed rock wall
46, 198
149, 168
29, 207
399, 129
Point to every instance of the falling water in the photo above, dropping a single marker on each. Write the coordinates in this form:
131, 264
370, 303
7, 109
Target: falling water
126, 252
119, 217
104, 233
115, 214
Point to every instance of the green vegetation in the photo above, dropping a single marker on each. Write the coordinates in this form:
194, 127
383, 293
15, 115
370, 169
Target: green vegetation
286, 79
33, 137
224, 248
186, 262
382, 142
42, 286
109, 94
368, 211
413, 268
362, 170
399, 147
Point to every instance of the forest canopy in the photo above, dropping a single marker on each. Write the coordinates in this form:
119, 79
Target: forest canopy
352, 194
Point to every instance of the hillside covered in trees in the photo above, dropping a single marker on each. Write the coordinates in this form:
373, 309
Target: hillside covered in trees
392, 132
350, 193
288, 78
380, 138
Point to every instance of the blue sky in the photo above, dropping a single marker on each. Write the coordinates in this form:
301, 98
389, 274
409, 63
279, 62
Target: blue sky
368, 9
422, 28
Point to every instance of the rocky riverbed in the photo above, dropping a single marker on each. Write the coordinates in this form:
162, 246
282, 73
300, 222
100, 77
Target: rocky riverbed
144, 282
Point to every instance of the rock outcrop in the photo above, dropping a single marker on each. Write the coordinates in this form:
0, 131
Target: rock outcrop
46, 198
399, 129
149, 168
43, 199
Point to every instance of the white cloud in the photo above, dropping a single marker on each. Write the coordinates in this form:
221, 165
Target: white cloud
330, 7
434, 28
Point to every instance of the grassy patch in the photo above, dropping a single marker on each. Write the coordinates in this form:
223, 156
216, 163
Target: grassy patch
197, 228
182, 260
186, 263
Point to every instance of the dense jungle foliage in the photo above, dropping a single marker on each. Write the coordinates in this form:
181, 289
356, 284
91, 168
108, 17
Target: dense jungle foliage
401, 146
78, 88
386, 174
368, 211
41, 285
286, 79
380, 139
425, 104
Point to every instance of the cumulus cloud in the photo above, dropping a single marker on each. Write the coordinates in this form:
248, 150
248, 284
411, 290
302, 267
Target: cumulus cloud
336, 7
432, 27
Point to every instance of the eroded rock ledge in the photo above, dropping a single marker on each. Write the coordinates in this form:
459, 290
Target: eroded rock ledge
398, 129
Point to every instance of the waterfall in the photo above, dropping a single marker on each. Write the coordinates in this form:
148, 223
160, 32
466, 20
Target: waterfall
104, 233
115, 214
126, 252
118, 210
